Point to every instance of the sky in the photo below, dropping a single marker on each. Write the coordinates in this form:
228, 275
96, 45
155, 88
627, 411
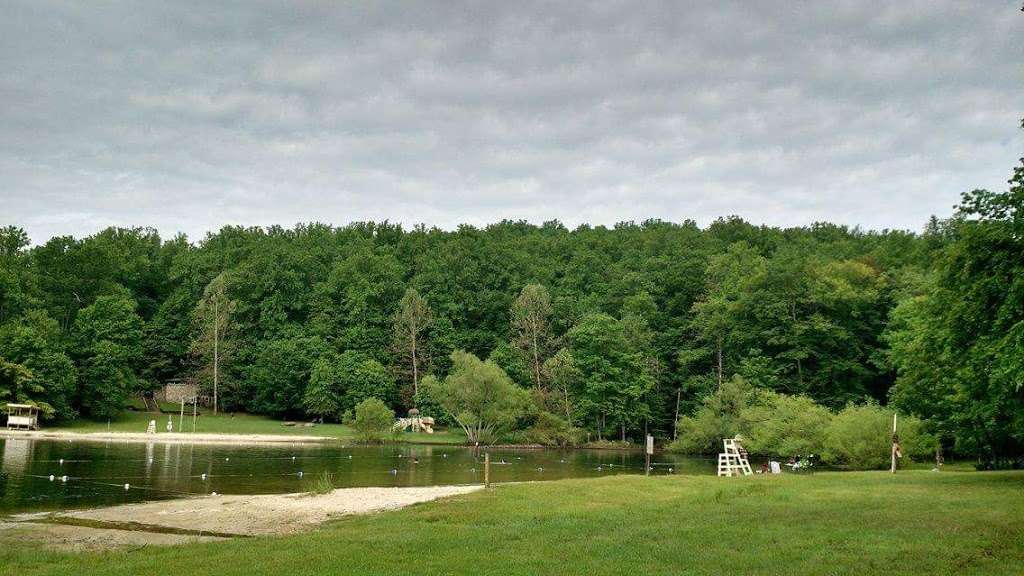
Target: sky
188, 116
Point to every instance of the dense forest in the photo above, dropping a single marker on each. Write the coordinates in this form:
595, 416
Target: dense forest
606, 331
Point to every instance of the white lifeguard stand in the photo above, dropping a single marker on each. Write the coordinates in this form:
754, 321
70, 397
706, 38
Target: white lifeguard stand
733, 462
22, 417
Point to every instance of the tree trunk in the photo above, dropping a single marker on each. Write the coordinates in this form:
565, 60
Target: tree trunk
216, 356
623, 433
720, 369
675, 423
415, 372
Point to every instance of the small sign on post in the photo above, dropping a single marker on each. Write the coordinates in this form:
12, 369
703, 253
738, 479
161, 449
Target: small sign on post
647, 455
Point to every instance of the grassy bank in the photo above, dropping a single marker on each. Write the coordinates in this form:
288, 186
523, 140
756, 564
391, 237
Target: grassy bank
829, 523
130, 421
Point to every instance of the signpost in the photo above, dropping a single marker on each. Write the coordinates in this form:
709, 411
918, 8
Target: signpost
647, 455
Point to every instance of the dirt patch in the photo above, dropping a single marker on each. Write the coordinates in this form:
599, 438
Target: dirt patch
157, 522
84, 538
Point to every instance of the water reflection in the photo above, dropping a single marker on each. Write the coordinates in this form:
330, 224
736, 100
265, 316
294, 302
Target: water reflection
97, 472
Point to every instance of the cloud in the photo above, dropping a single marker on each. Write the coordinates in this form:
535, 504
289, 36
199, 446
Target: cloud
188, 116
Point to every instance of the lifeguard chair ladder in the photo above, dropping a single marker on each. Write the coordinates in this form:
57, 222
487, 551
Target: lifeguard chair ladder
733, 462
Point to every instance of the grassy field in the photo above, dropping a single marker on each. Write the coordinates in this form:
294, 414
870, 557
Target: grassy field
859, 523
130, 421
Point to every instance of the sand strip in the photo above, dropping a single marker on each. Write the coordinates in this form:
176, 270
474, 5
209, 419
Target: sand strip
167, 437
267, 514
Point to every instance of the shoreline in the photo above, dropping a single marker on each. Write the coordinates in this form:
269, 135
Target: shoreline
166, 437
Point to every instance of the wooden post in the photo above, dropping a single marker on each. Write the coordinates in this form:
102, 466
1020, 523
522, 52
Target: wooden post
487, 469
195, 402
647, 455
181, 417
893, 450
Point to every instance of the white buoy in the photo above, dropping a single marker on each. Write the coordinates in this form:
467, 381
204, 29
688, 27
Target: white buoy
293, 457
63, 478
61, 461
51, 477
349, 456
127, 486
300, 473
203, 476
226, 459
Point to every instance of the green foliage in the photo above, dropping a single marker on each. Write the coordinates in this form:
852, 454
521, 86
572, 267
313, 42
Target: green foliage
721, 415
610, 323
614, 376
860, 438
781, 425
548, 429
280, 374
34, 341
373, 420
107, 339
479, 396
18, 386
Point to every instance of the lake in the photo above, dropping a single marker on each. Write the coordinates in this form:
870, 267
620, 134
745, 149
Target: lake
96, 472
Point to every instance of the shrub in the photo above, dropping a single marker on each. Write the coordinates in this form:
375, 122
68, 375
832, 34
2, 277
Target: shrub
860, 437
720, 416
786, 426
550, 430
479, 396
373, 420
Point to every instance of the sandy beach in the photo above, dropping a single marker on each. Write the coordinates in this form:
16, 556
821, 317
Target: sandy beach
211, 517
166, 437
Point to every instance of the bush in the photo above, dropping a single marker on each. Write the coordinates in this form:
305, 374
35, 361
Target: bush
720, 416
786, 426
860, 437
550, 430
373, 420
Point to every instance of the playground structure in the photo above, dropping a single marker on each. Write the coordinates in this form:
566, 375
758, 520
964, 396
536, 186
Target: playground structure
416, 422
733, 462
22, 417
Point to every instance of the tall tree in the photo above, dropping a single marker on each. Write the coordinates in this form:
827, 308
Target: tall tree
531, 327
213, 322
413, 319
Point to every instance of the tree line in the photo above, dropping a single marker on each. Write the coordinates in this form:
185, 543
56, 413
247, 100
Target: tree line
604, 332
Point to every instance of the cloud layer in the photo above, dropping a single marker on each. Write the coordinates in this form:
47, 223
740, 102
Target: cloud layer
188, 116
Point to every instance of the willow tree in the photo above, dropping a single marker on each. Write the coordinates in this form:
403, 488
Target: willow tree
412, 321
531, 326
212, 319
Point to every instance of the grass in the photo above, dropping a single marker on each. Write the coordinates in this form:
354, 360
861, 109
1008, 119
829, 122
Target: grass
130, 421
862, 523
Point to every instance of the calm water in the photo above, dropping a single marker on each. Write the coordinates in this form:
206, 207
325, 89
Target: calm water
97, 472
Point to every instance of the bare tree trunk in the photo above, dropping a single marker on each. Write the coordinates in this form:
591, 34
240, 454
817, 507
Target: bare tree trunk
415, 373
675, 423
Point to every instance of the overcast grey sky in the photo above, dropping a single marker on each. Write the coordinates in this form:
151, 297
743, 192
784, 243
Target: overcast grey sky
186, 116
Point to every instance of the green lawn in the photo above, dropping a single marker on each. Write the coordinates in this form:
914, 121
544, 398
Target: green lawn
859, 523
130, 421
